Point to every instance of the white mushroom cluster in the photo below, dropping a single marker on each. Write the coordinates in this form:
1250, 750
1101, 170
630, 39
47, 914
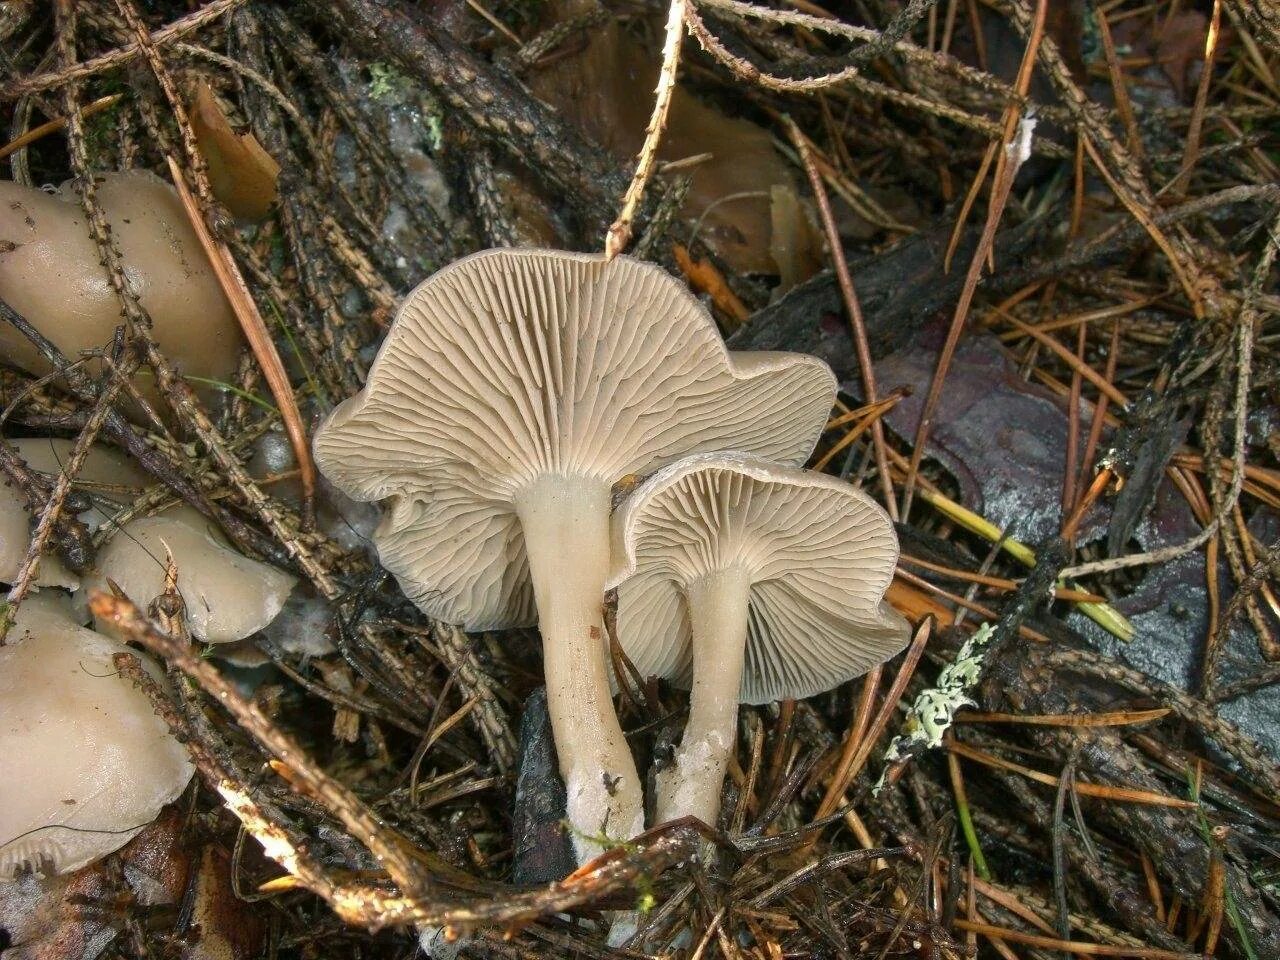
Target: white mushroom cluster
85, 763
513, 391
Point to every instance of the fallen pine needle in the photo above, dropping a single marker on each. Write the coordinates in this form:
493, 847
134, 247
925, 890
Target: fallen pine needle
1120, 794
57, 123
255, 331
1114, 718
1074, 946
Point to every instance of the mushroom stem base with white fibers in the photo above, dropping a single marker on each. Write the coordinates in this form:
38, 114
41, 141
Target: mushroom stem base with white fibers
565, 521
718, 606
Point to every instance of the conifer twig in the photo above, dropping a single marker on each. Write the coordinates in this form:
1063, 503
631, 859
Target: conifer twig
619, 233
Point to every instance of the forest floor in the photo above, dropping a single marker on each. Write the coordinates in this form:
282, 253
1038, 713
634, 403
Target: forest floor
1055, 230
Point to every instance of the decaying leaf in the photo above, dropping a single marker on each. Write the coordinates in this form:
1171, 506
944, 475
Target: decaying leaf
221, 925
606, 90
242, 174
794, 242
705, 278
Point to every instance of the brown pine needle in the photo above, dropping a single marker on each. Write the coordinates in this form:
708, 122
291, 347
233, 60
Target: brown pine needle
852, 307
255, 331
1009, 159
1111, 718
999, 583
57, 123
1074, 946
1119, 794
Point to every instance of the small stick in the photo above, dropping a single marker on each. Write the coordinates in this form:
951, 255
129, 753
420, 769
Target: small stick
619, 233
852, 306
255, 331
345, 805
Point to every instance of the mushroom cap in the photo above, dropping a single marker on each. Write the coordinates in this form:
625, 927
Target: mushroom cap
103, 473
228, 596
85, 763
50, 272
509, 365
819, 553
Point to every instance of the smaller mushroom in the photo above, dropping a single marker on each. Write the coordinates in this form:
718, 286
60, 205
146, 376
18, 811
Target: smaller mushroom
228, 596
746, 582
110, 478
85, 763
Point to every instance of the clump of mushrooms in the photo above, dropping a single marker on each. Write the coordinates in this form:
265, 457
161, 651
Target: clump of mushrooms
85, 763
514, 388
228, 596
51, 273
747, 582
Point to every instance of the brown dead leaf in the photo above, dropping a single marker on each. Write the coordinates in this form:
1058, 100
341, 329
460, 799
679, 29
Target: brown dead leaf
1180, 47
606, 91
794, 242
222, 926
242, 174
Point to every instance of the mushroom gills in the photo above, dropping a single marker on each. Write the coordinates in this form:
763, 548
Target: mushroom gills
747, 581
513, 389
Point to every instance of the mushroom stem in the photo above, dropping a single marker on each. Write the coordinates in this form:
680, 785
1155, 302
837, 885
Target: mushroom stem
718, 605
565, 520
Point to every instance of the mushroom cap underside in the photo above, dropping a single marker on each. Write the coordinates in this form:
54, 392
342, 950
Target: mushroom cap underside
512, 365
818, 552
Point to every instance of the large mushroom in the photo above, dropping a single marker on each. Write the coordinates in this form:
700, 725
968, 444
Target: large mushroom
513, 390
747, 582
85, 763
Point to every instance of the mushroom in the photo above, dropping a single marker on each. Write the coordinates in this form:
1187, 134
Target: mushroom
746, 582
228, 596
51, 273
85, 763
105, 474
514, 388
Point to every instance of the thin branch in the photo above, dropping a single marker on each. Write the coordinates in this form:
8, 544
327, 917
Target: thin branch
619, 233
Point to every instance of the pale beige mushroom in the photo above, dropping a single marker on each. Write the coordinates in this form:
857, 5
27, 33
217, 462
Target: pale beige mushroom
228, 596
51, 273
106, 475
85, 763
513, 390
746, 582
